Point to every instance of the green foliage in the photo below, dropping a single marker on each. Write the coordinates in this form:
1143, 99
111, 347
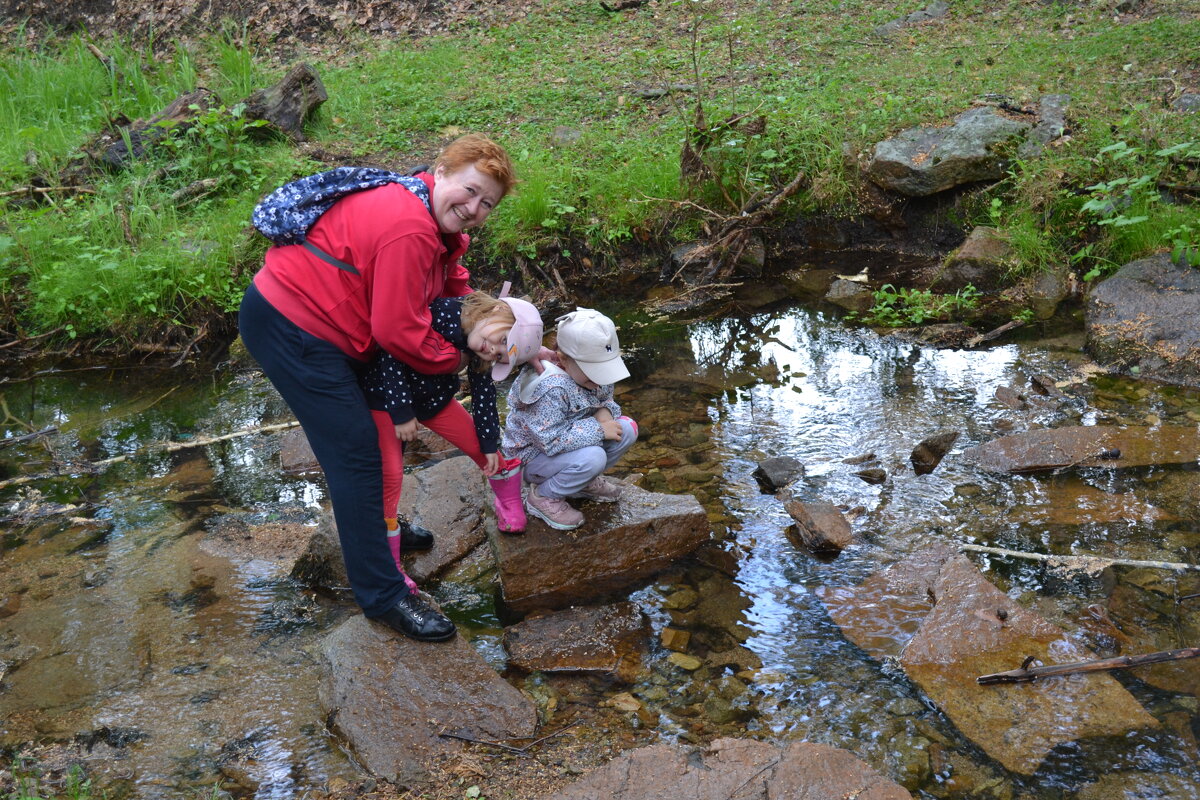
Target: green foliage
27, 785
895, 308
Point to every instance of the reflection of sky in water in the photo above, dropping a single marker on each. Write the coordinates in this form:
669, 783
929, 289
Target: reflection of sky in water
841, 393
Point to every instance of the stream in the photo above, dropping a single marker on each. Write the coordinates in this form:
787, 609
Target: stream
128, 641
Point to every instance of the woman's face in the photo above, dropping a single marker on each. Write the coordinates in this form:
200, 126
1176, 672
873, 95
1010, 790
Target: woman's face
463, 199
488, 339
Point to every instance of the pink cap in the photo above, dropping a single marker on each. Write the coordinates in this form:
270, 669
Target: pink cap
524, 337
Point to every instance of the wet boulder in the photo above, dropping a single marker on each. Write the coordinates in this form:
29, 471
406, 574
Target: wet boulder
388, 697
609, 639
820, 527
450, 499
850, 295
295, 453
619, 546
948, 625
982, 261
1144, 317
930, 452
772, 474
730, 769
922, 161
1087, 446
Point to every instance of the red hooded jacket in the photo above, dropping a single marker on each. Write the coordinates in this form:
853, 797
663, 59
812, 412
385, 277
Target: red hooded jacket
404, 264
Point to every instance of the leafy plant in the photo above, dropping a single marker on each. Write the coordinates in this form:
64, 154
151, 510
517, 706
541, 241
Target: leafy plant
894, 308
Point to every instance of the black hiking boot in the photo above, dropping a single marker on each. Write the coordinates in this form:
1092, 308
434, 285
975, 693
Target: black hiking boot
413, 617
414, 537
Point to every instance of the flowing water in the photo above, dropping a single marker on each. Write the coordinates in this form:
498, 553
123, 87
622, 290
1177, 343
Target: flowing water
128, 640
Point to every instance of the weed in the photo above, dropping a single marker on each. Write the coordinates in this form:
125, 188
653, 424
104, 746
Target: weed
895, 308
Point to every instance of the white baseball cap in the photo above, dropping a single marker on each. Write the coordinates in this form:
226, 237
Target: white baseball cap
590, 338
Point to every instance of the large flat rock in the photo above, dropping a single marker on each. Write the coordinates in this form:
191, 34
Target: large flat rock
452, 500
949, 625
389, 697
734, 769
1090, 446
620, 545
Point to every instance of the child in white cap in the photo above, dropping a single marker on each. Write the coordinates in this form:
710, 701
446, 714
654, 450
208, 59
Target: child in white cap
564, 425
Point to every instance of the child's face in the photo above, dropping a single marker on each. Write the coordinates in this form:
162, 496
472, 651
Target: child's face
572, 368
488, 339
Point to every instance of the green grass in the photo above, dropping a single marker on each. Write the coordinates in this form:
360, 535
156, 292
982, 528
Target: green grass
563, 88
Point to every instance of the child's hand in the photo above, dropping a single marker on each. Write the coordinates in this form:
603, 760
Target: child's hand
493, 464
603, 415
407, 431
612, 429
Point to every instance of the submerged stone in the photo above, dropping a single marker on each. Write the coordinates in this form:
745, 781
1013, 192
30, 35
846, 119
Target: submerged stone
949, 625
585, 639
930, 452
820, 527
1087, 446
731, 769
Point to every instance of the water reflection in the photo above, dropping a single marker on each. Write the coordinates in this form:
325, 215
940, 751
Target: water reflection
187, 667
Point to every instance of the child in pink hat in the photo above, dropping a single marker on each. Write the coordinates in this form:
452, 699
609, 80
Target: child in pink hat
501, 332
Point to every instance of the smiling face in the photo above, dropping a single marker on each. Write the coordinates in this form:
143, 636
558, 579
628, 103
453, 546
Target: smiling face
464, 198
489, 338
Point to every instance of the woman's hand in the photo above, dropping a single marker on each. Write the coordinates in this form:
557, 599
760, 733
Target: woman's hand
407, 431
493, 464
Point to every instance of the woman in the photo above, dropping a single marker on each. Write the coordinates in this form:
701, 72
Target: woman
312, 327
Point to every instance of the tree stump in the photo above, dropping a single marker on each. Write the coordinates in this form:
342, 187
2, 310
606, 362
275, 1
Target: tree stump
288, 103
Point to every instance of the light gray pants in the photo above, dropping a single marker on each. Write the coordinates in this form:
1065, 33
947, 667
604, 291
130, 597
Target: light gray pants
567, 473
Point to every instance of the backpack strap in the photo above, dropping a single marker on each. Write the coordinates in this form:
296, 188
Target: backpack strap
328, 259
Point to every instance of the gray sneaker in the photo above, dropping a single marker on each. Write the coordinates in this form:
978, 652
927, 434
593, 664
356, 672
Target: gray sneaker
554, 512
601, 489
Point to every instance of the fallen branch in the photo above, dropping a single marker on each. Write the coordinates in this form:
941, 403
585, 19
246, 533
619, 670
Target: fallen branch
27, 437
1027, 674
622, 6
975, 341
47, 190
1084, 562
165, 447
508, 748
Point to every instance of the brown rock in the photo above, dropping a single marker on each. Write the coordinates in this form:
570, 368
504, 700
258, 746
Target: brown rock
820, 527
1095, 446
9, 605
950, 625
734, 769
930, 452
295, 453
872, 475
452, 500
389, 697
675, 639
1010, 397
585, 639
619, 546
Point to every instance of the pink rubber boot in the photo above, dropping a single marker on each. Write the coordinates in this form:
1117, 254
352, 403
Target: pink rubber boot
393, 537
510, 512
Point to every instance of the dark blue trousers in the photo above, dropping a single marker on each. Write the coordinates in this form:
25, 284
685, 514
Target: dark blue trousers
320, 384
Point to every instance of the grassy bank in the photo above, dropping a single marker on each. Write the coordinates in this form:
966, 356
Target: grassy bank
576, 93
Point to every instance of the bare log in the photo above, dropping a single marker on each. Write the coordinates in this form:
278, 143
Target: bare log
1088, 563
116, 151
164, 447
1027, 674
288, 103
975, 341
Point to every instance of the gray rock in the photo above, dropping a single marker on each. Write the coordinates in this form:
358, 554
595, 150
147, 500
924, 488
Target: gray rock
935, 10
619, 546
296, 454
982, 261
923, 161
772, 474
1145, 316
1051, 124
1188, 103
733, 769
450, 499
850, 295
389, 697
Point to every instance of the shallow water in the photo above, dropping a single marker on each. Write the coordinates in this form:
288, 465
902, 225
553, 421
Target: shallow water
183, 668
